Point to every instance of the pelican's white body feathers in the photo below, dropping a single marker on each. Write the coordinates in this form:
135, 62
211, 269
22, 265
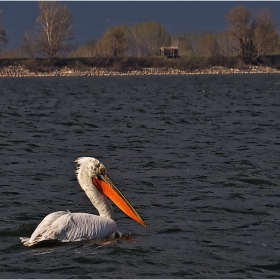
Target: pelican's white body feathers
66, 227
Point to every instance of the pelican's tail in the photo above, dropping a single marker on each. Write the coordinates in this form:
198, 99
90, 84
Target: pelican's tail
25, 241
49, 242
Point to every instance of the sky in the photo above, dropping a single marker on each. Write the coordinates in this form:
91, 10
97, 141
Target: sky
93, 18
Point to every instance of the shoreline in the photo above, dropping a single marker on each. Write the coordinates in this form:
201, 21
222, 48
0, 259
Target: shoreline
19, 71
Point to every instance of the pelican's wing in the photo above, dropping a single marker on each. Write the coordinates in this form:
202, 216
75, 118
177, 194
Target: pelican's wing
66, 226
42, 228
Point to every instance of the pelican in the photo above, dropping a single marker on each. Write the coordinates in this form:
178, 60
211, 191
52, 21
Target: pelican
64, 226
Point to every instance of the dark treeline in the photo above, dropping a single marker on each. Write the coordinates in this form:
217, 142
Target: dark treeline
249, 39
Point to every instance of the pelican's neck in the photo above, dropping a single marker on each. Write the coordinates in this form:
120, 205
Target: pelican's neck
97, 198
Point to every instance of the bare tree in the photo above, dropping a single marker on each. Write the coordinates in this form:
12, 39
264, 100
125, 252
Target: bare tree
3, 34
227, 46
29, 43
194, 42
102, 48
184, 46
89, 48
55, 28
86, 50
240, 29
209, 45
264, 32
113, 44
256, 36
115, 41
148, 37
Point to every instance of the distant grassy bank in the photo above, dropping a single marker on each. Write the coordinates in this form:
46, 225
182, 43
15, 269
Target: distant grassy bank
134, 66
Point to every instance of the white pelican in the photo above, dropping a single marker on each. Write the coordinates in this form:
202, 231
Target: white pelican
64, 226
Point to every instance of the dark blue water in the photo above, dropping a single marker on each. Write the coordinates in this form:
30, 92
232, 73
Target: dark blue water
197, 156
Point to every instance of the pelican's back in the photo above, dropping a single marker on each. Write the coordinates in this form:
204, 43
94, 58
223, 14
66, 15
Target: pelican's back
66, 226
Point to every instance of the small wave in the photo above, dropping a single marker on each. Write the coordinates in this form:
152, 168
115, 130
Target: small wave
170, 230
257, 182
270, 267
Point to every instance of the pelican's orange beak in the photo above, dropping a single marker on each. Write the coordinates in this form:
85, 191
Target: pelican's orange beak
108, 188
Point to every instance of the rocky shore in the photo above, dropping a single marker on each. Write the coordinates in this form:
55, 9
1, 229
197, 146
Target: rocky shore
19, 71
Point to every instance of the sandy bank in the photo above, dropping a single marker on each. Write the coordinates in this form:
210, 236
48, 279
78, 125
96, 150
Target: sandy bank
18, 71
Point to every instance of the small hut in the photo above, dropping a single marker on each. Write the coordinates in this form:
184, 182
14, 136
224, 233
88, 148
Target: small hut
169, 52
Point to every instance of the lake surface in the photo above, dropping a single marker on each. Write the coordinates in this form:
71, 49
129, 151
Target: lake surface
197, 156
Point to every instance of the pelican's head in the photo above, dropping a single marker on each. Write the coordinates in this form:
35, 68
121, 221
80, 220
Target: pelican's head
92, 169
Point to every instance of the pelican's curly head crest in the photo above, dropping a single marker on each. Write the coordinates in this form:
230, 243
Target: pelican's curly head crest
91, 166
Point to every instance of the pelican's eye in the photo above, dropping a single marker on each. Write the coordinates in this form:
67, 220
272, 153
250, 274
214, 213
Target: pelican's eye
102, 170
